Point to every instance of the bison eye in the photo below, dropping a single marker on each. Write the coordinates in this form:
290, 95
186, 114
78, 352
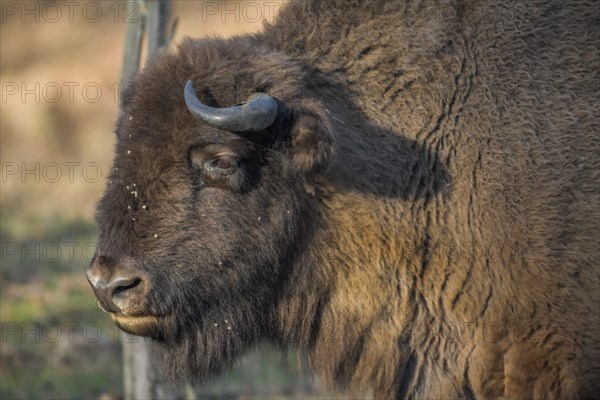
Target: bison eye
218, 166
223, 171
224, 163
221, 164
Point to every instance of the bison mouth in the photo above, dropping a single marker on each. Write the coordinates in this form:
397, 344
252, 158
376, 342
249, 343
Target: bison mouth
144, 325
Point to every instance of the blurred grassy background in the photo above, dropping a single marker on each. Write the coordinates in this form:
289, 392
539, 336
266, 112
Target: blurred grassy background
59, 67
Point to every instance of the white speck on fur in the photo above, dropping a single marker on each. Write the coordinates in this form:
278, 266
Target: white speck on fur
156, 235
130, 118
128, 151
144, 206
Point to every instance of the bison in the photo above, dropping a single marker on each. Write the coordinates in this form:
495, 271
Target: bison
407, 190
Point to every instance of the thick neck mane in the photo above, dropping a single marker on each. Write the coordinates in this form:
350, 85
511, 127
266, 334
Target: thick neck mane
428, 136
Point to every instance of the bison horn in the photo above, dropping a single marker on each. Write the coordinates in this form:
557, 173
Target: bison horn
256, 114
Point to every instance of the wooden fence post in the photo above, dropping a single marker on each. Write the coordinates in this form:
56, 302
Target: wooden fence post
141, 378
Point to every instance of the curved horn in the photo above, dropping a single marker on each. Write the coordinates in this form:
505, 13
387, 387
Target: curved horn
256, 114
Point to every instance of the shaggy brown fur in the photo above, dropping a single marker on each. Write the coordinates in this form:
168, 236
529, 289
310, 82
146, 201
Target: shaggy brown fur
422, 217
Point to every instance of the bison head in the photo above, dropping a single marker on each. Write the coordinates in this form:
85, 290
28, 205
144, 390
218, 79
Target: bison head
208, 207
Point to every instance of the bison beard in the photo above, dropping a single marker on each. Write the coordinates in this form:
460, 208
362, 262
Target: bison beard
412, 199
205, 335
195, 347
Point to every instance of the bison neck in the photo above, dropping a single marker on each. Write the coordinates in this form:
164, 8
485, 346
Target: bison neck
366, 301
385, 296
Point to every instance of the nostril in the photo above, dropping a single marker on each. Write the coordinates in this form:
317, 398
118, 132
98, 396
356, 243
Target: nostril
125, 285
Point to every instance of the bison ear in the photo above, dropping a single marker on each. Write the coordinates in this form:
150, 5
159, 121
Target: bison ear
311, 140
